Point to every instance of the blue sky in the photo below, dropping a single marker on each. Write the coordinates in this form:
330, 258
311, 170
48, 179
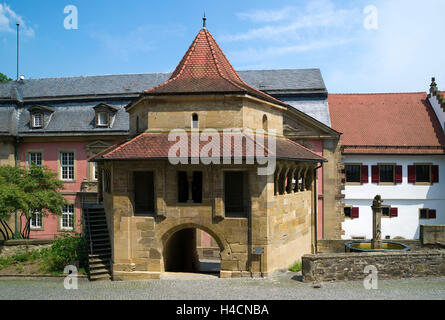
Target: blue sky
116, 37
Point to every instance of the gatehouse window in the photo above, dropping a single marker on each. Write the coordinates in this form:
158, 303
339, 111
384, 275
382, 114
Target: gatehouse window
195, 121
236, 201
144, 192
265, 124
189, 187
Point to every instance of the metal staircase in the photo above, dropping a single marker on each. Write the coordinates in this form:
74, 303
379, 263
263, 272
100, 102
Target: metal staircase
96, 230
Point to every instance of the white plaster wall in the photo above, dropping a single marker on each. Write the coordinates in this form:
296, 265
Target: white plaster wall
408, 198
438, 110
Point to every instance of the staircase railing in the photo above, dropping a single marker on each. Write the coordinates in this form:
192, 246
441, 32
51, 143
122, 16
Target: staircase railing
88, 226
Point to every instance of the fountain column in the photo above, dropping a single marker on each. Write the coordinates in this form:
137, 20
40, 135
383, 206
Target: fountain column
376, 242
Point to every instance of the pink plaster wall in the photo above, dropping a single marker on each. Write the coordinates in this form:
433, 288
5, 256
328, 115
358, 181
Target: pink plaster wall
50, 154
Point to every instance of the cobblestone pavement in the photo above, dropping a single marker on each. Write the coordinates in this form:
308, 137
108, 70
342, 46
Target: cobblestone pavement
179, 286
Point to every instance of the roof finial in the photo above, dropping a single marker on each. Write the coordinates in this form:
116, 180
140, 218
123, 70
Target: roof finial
204, 21
433, 86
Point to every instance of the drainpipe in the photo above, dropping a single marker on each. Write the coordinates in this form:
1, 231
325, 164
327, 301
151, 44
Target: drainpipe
316, 208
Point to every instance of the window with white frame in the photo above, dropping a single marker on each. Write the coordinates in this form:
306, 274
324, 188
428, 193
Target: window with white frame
68, 217
67, 165
35, 158
102, 119
37, 120
36, 220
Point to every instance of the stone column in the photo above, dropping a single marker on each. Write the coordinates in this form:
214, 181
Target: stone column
376, 242
277, 180
290, 177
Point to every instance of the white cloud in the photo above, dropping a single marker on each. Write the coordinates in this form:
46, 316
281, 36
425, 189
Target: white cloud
267, 15
252, 54
9, 19
320, 14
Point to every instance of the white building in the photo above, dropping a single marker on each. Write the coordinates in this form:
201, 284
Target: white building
393, 145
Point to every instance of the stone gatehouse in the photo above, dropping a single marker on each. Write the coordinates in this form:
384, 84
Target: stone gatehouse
156, 200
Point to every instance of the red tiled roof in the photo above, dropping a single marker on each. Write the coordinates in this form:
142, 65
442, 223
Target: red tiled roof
205, 69
393, 123
156, 146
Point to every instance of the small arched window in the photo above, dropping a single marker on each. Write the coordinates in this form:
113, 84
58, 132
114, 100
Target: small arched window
137, 124
265, 124
195, 121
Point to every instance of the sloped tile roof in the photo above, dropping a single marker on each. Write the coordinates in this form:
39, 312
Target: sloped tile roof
157, 145
394, 123
205, 69
294, 80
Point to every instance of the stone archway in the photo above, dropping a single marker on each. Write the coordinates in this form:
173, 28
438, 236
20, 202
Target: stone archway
180, 248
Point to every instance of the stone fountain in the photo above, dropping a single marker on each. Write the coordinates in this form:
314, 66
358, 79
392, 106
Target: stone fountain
376, 244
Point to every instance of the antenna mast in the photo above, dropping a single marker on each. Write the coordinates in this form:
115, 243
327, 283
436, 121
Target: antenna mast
18, 51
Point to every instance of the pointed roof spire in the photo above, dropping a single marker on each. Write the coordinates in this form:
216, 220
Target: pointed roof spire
204, 21
205, 69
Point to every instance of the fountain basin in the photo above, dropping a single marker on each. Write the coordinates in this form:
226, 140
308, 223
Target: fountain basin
365, 246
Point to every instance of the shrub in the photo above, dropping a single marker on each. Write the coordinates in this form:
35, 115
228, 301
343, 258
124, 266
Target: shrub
296, 267
66, 250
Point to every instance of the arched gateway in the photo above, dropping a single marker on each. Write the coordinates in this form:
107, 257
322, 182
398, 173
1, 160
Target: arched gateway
252, 192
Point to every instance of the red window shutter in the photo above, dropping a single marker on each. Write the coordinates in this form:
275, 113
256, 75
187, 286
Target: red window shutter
343, 181
411, 174
394, 212
355, 213
343, 171
431, 214
375, 174
365, 178
399, 174
435, 174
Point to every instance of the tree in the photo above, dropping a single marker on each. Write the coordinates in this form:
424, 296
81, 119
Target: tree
4, 78
27, 191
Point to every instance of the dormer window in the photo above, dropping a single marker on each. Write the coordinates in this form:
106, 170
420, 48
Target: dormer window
104, 115
102, 119
39, 116
37, 120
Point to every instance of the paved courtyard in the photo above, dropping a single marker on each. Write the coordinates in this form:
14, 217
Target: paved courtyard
202, 287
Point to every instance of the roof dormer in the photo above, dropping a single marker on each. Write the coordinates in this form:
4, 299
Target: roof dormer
39, 116
104, 115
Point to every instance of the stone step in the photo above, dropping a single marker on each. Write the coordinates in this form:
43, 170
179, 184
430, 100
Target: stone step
100, 277
99, 265
99, 259
95, 272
